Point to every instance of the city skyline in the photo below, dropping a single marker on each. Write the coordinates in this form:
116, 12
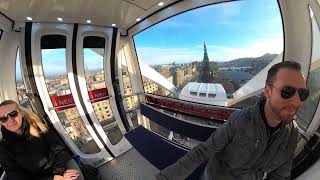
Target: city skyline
57, 74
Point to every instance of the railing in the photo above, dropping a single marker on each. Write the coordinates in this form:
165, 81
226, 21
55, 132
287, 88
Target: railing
194, 109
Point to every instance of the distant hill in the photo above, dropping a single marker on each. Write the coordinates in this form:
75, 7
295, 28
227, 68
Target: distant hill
250, 61
257, 63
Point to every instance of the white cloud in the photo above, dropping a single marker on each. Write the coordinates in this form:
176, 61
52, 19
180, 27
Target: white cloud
254, 49
271, 6
93, 60
45, 52
150, 55
230, 9
276, 20
54, 69
227, 13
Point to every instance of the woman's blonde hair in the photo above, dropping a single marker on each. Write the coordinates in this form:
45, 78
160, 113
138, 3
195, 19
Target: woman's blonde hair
36, 127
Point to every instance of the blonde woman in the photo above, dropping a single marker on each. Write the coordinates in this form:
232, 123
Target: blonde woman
28, 150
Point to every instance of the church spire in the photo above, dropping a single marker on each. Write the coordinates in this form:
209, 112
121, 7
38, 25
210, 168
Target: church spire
205, 48
205, 56
205, 74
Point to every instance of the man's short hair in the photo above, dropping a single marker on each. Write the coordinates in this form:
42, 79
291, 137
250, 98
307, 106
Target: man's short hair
272, 72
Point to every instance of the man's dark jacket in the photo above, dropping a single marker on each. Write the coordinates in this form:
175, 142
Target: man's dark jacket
242, 149
24, 157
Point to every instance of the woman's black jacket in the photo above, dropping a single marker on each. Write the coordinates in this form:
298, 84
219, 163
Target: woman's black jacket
27, 157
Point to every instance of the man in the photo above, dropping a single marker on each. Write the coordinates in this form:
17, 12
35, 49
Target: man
257, 142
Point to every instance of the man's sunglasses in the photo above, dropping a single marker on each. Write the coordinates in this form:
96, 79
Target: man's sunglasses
288, 91
13, 114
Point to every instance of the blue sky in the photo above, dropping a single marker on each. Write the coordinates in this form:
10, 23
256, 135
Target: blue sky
231, 30
54, 61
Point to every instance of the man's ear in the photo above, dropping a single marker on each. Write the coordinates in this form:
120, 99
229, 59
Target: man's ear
267, 91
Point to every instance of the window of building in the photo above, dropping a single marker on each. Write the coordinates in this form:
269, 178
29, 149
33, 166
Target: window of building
193, 93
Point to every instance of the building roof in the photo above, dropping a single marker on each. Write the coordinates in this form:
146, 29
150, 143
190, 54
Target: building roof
207, 93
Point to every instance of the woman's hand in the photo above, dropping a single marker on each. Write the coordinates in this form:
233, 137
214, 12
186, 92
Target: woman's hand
58, 177
70, 174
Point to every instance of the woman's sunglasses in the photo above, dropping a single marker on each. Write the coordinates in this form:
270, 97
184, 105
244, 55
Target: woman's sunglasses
13, 114
288, 91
